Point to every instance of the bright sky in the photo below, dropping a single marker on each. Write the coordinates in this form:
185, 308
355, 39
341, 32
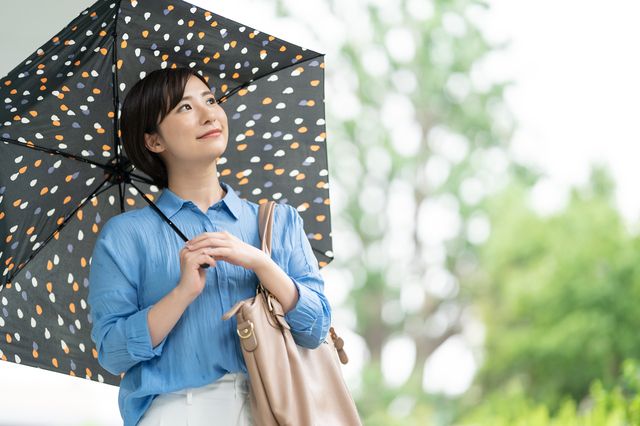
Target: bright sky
576, 98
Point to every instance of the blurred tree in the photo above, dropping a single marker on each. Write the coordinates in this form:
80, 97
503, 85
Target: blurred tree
558, 295
417, 138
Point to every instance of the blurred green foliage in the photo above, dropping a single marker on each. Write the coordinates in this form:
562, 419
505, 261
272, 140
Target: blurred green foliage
558, 296
616, 406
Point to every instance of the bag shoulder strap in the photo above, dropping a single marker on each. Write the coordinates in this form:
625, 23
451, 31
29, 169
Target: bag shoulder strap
265, 224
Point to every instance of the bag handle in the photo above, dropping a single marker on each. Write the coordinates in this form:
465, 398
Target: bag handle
266, 214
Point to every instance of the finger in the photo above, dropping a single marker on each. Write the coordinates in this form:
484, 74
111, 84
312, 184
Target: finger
206, 258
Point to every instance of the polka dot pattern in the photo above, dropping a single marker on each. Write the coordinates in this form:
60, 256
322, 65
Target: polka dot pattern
59, 136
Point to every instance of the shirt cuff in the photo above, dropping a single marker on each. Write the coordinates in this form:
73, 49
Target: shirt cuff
139, 337
303, 316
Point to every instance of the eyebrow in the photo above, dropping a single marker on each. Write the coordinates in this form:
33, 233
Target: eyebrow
205, 93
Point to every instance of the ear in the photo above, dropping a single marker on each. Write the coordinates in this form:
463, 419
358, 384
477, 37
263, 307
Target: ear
152, 142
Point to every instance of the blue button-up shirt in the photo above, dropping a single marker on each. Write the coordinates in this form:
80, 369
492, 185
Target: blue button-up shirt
136, 262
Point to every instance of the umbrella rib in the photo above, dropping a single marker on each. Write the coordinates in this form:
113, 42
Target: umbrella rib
70, 156
55, 151
95, 193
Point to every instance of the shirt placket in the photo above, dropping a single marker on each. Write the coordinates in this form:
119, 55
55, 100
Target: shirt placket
220, 269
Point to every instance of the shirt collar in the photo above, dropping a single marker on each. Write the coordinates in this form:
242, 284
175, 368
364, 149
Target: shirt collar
169, 203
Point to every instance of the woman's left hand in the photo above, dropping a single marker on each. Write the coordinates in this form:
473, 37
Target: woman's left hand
227, 247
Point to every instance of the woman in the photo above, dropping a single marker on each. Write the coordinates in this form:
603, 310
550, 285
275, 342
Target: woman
156, 313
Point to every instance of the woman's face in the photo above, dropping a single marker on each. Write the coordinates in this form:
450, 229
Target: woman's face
183, 135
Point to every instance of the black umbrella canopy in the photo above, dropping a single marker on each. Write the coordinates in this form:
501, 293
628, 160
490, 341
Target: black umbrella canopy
64, 172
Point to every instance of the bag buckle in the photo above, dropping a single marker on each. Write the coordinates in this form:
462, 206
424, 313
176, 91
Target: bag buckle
245, 330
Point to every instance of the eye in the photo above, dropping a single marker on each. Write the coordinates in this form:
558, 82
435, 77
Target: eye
213, 101
184, 106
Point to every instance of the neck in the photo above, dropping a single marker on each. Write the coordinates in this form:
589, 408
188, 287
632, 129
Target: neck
200, 186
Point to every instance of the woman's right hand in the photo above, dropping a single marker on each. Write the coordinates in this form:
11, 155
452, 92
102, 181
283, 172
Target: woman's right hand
192, 276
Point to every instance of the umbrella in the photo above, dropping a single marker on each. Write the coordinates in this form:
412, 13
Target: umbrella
64, 172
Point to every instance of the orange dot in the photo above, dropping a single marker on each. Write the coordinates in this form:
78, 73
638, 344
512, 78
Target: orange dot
283, 48
72, 308
131, 201
119, 63
39, 309
83, 262
242, 147
190, 23
49, 287
268, 166
37, 163
22, 169
75, 286
1, 215
294, 145
94, 228
244, 181
44, 190
94, 353
225, 172
311, 102
67, 199
30, 230
61, 96
317, 237
235, 75
33, 113
8, 338
54, 362
145, 34
68, 178
320, 218
49, 265
314, 148
201, 34
233, 43
104, 51
300, 176
17, 202
59, 137
34, 353
106, 148
55, 123
123, 45
302, 129
279, 171
206, 60
249, 132
96, 91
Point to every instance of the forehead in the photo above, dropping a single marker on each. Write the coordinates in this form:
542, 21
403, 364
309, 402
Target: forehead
195, 85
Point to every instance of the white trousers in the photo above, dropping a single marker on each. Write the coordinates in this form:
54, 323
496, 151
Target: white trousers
223, 402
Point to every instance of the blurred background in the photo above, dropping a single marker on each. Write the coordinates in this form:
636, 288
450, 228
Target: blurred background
483, 170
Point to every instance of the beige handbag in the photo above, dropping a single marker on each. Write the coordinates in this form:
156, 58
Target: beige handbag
290, 385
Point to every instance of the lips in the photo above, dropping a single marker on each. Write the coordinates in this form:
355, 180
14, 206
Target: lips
215, 132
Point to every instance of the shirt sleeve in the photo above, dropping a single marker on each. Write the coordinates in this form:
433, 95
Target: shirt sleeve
310, 318
120, 329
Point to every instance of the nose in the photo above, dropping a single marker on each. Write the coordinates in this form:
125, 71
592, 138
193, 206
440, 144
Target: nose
207, 114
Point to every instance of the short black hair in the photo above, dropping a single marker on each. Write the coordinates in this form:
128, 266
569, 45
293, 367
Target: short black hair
145, 106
